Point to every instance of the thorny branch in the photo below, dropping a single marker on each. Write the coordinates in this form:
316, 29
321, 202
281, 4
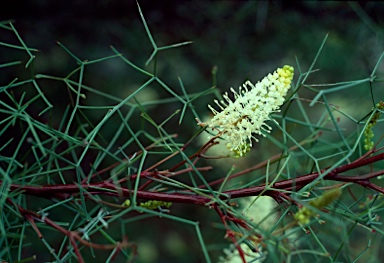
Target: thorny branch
73, 236
111, 188
108, 187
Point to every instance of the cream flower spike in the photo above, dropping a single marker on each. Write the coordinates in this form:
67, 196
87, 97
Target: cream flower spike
244, 117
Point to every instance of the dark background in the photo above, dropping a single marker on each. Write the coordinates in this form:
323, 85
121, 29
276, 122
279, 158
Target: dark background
240, 37
244, 39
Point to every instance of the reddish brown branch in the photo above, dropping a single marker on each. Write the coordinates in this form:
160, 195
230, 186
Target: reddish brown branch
230, 234
109, 188
358, 163
73, 236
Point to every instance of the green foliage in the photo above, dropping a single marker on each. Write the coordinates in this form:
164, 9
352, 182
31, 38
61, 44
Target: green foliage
78, 143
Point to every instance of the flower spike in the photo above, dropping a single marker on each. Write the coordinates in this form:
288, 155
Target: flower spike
244, 116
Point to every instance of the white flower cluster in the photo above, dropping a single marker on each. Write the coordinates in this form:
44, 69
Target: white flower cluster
232, 255
241, 119
260, 212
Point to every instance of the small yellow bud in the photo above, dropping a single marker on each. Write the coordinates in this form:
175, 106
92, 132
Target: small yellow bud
303, 216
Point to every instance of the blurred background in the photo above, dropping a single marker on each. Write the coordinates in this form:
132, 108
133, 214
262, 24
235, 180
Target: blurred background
242, 39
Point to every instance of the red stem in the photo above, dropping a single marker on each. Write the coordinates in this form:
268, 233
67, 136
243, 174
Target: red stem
106, 187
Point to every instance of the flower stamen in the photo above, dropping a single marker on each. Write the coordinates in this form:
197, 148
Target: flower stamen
244, 116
